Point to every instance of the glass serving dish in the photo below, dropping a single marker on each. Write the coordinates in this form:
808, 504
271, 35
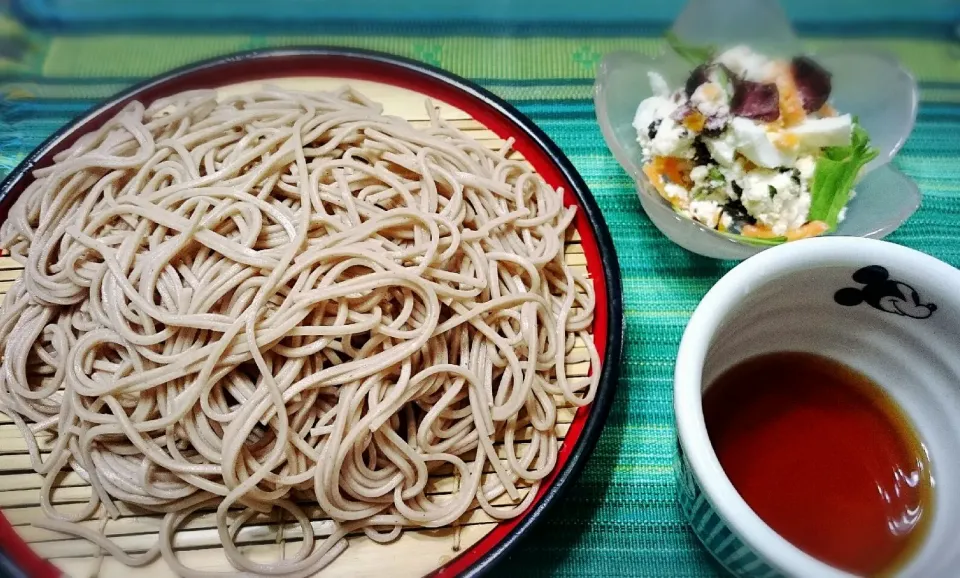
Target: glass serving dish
867, 84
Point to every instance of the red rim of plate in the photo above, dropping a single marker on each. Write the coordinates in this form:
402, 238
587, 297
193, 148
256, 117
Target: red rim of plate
487, 109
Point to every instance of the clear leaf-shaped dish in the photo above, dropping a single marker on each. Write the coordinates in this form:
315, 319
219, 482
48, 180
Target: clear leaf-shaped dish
868, 85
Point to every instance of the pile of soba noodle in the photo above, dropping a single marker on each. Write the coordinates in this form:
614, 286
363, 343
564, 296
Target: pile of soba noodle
289, 301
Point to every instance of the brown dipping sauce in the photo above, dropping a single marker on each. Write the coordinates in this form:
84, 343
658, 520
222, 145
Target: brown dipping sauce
824, 457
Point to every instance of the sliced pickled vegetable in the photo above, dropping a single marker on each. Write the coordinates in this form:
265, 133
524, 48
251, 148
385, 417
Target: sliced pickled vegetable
813, 83
756, 100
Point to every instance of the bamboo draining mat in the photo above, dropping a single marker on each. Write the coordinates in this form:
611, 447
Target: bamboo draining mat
414, 553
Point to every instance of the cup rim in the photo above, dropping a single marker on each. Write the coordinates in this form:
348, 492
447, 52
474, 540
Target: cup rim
688, 374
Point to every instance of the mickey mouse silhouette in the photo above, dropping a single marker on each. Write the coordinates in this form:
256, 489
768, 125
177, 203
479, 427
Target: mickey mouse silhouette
885, 294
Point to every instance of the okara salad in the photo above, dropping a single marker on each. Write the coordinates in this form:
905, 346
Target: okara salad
750, 146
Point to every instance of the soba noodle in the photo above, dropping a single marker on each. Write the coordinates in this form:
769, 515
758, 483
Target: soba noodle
289, 302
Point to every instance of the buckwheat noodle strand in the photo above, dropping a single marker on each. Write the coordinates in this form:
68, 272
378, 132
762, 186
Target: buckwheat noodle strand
292, 302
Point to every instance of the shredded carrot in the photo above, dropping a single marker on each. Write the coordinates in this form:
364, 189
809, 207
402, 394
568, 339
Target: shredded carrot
758, 232
694, 121
791, 107
656, 179
811, 229
676, 170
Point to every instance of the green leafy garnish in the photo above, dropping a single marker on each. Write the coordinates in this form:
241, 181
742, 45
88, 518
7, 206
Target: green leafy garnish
835, 174
695, 55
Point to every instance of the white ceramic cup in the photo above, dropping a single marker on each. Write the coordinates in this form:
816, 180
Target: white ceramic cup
888, 311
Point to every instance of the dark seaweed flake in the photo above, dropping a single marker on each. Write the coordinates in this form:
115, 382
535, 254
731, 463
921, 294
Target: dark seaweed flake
738, 213
701, 155
653, 128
